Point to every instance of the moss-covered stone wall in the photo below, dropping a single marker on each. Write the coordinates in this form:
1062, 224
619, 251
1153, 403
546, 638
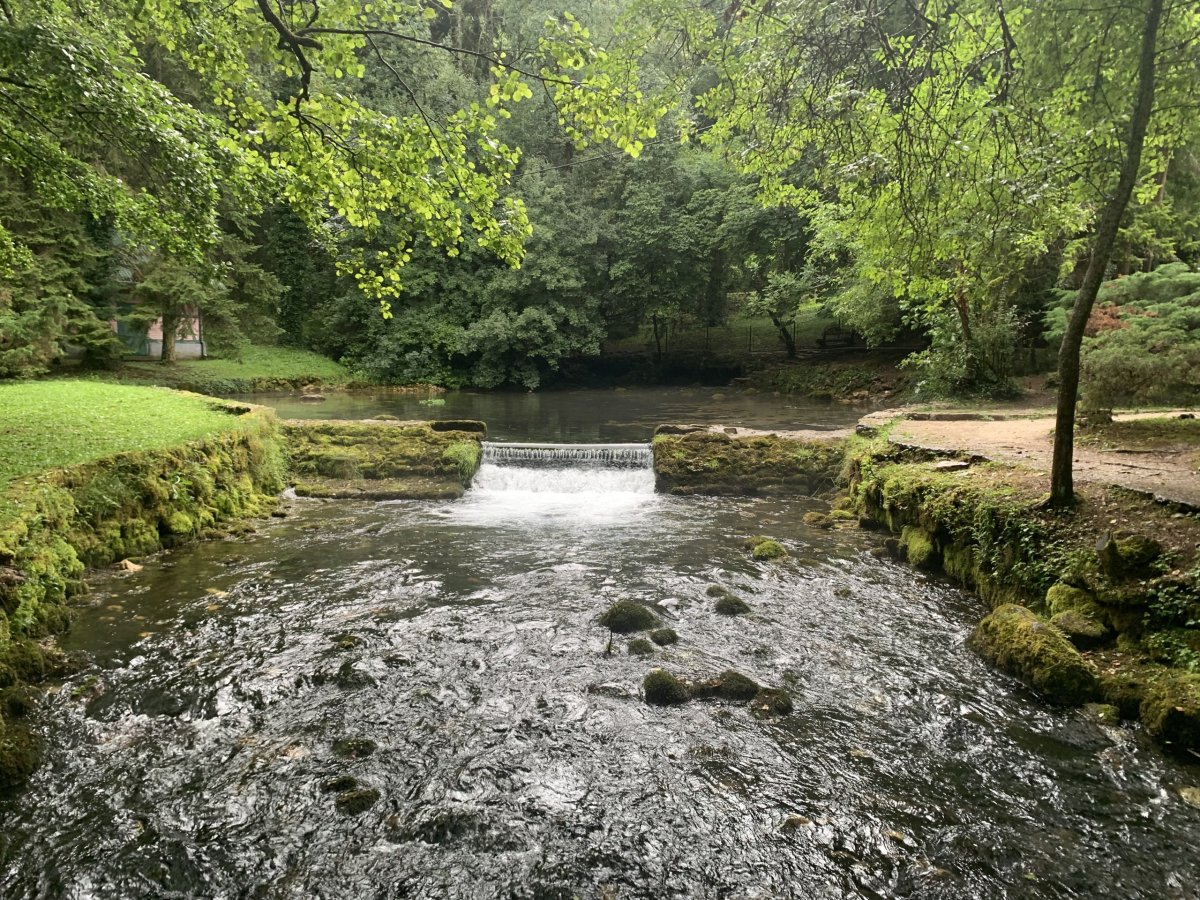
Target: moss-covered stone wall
1082, 611
707, 462
379, 459
124, 505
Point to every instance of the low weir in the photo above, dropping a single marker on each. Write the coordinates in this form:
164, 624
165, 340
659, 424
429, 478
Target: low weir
526, 455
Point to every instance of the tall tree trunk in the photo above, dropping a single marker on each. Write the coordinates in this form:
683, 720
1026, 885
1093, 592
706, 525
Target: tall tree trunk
785, 335
170, 327
1062, 483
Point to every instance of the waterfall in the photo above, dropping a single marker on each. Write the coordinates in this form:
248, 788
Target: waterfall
625, 456
589, 481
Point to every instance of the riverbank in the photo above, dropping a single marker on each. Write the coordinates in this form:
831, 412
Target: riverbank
259, 368
1099, 604
93, 473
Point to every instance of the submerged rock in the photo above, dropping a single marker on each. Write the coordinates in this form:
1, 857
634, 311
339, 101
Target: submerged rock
771, 702
1017, 641
339, 783
664, 689
729, 685
730, 605
353, 747
817, 519
353, 803
664, 636
626, 617
641, 647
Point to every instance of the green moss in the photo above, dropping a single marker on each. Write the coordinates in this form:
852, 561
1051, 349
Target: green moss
1126, 687
1104, 713
816, 519
1019, 642
1063, 597
958, 561
716, 590
20, 753
730, 605
919, 548
640, 647
664, 636
180, 524
661, 688
464, 456
356, 802
715, 463
1081, 630
1171, 712
729, 685
626, 617
768, 550
1124, 556
771, 702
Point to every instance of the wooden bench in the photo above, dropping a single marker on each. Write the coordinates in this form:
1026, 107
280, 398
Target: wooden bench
836, 336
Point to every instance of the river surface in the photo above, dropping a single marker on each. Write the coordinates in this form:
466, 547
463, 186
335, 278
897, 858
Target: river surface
584, 416
515, 758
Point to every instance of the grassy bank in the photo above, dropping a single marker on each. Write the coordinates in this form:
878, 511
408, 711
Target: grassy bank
1097, 604
258, 369
91, 473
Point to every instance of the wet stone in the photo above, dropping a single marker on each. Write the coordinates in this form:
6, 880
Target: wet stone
353, 747
339, 783
664, 636
641, 647
730, 605
356, 802
664, 689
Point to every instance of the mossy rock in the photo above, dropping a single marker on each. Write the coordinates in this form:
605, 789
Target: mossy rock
353, 747
641, 647
716, 590
356, 802
958, 561
1081, 630
730, 605
771, 702
20, 753
1171, 712
664, 636
729, 685
842, 515
661, 688
626, 617
816, 519
748, 544
919, 548
339, 783
1125, 556
768, 550
1126, 688
1063, 597
1103, 713
1017, 641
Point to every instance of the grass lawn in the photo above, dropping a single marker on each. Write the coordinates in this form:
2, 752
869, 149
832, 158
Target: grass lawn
49, 424
260, 368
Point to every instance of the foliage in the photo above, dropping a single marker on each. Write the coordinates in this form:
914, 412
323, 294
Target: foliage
1146, 345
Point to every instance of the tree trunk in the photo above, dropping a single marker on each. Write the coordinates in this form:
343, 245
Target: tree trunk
786, 335
1062, 483
170, 327
657, 339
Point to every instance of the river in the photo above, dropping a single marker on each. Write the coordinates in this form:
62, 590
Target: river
513, 756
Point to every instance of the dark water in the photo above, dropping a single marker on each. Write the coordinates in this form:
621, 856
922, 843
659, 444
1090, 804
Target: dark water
586, 416
189, 761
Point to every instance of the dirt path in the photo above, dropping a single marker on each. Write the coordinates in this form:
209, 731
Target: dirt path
1168, 475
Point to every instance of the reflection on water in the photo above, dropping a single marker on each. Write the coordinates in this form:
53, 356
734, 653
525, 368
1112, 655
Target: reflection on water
589, 416
514, 758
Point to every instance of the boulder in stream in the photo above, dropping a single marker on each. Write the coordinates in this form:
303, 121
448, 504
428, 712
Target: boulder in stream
626, 617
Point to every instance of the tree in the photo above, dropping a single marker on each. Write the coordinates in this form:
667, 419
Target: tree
155, 116
1062, 485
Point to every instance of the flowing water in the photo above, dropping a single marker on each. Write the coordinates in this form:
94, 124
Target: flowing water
514, 757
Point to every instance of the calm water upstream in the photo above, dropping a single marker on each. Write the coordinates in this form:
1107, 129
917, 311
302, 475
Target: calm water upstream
515, 759
585, 416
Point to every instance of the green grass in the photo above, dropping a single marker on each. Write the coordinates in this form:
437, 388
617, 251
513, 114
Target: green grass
50, 424
739, 335
260, 368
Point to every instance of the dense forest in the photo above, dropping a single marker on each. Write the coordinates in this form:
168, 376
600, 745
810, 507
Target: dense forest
472, 193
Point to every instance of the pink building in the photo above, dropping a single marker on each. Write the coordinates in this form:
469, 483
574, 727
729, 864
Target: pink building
147, 344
